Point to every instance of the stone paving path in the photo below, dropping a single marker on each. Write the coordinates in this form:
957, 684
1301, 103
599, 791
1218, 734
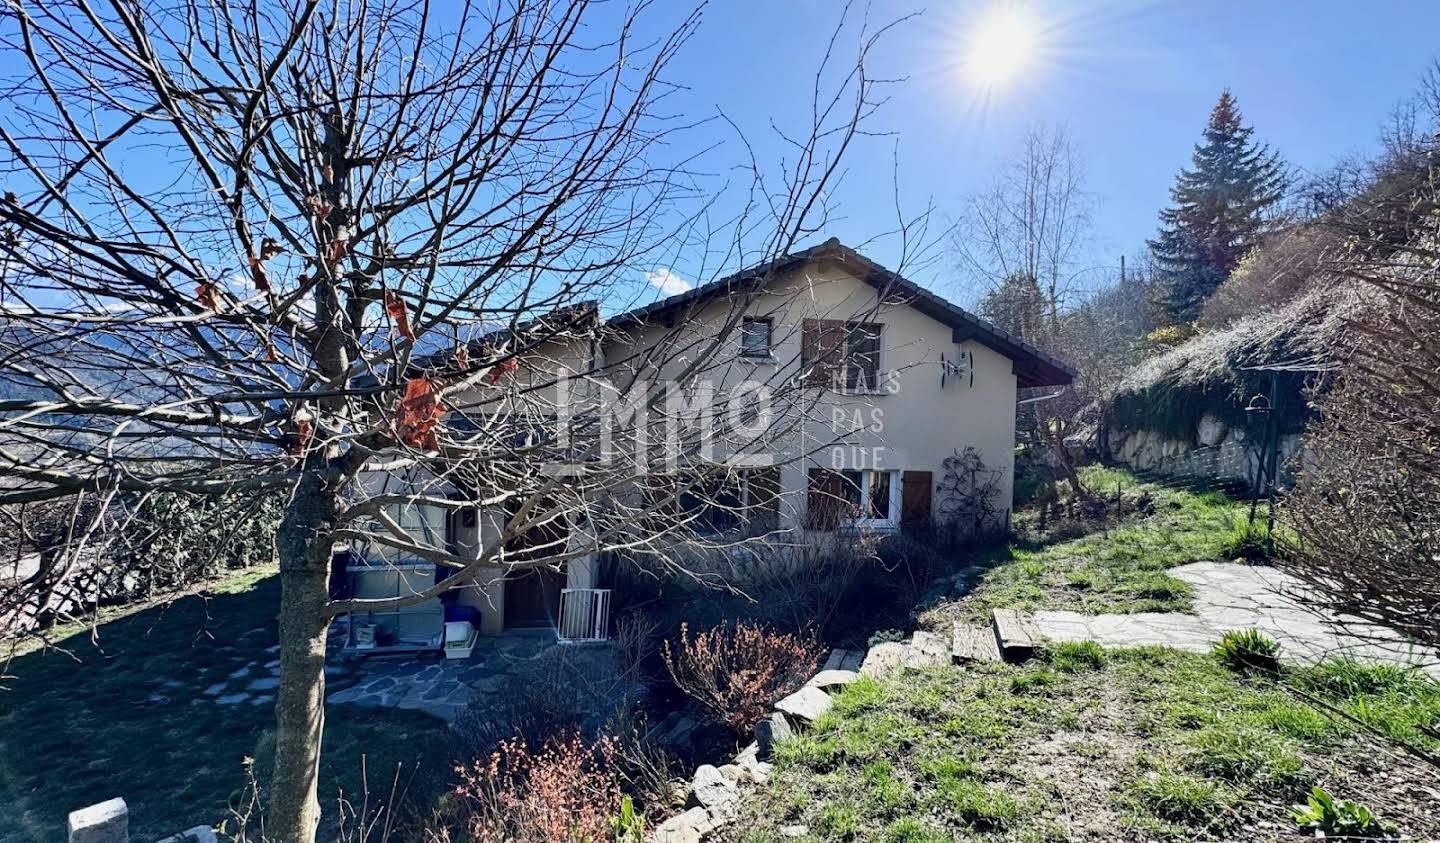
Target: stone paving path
443, 687
422, 682
1231, 596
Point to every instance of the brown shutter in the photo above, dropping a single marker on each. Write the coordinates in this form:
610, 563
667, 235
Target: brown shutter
915, 498
822, 346
824, 501
764, 503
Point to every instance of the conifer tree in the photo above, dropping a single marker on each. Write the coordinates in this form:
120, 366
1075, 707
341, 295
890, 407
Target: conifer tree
1217, 213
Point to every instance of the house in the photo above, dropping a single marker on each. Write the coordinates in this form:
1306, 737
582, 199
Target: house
895, 382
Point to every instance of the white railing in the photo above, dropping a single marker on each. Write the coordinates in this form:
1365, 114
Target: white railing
584, 614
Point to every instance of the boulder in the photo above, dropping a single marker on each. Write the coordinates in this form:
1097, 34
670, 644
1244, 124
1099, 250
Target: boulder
771, 731
805, 705
827, 679
687, 827
712, 789
1210, 430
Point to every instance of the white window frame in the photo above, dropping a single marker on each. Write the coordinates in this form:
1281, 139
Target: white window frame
866, 478
769, 324
425, 522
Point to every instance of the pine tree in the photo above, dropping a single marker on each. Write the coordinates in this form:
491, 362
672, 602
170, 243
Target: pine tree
1217, 212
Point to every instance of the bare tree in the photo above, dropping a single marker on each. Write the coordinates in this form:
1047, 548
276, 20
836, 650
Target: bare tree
1019, 243
318, 246
1032, 222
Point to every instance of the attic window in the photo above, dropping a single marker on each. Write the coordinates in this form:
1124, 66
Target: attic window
755, 336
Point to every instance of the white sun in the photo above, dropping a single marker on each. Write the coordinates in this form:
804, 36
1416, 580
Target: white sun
1001, 44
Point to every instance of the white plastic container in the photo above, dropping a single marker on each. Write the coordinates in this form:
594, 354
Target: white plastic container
460, 637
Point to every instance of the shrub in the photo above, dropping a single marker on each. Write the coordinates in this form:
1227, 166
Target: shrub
1366, 507
737, 671
1075, 656
980, 806
887, 636
1246, 541
567, 792
1348, 678
562, 690
1327, 816
1248, 649
1179, 798
1245, 755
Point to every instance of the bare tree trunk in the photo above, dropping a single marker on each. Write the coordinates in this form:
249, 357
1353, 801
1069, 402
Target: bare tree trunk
292, 806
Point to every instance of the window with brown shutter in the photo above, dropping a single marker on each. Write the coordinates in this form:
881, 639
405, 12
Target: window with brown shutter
862, 355
763, 497
822, 348
824, 500
915, 493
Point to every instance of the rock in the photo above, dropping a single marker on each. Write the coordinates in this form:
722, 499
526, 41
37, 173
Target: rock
684, 828
794, 831
712, 789
1211, 430
883, 659
198, 834
735, 773
771, 731
827, 679
748, 759
104, 822
806, 704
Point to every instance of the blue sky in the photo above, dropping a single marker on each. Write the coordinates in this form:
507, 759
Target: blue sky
1132, 80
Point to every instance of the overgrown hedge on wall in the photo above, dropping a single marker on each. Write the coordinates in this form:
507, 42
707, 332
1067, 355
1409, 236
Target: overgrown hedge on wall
1218, 372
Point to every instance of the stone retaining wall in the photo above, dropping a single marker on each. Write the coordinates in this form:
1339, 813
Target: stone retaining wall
1216, 452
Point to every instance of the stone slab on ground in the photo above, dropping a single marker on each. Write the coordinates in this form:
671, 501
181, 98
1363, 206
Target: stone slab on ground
826, 679
1017, 635
832, 662
926, 649
852, 660
883, 659
103, 822
806, 704
1232, 596
970, 644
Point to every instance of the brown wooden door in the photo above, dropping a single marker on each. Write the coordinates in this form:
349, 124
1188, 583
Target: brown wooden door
532, 597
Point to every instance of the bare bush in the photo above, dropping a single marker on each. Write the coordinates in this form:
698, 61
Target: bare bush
737, 671
1366, 506
566, 792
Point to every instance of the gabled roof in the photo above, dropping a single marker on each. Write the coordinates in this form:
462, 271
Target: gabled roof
1033, 367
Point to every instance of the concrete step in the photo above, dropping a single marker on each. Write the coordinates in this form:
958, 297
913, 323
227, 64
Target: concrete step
1015, 633
970, 644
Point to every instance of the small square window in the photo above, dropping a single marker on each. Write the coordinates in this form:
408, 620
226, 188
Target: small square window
755, 338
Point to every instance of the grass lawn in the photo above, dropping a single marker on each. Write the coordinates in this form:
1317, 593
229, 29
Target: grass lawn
123, 715
1118, 568
1098, 745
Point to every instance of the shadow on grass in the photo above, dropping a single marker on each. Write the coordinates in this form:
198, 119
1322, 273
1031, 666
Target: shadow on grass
126, 715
